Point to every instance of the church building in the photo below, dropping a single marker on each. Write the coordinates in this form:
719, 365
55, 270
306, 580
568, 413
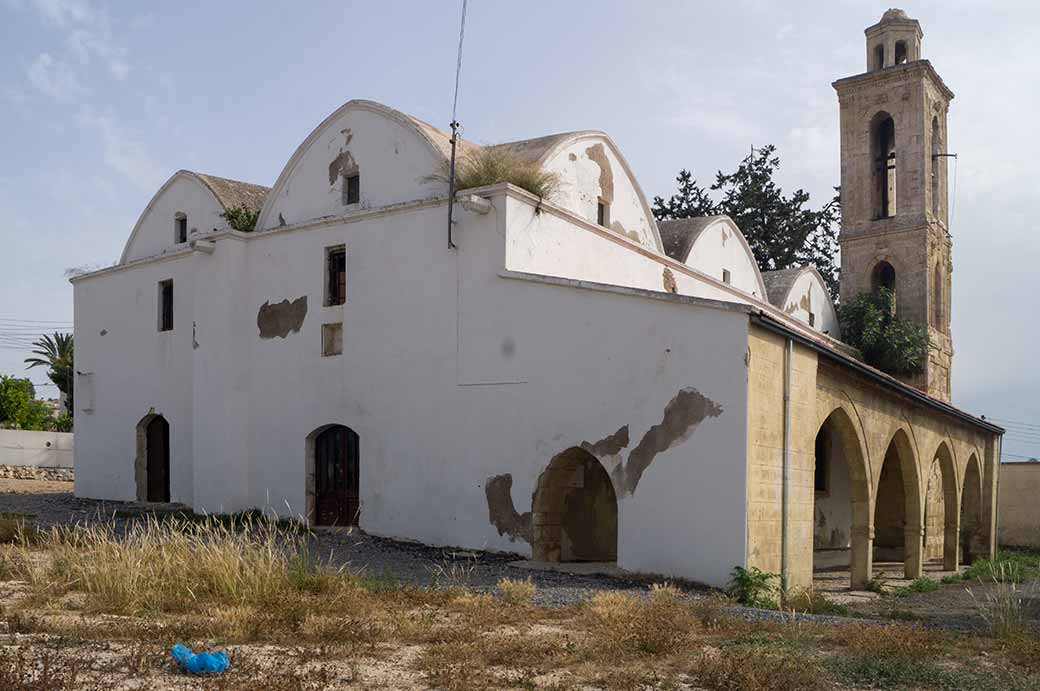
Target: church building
560, 377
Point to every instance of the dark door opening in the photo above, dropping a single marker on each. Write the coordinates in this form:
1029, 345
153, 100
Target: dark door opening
336, 473
158, 454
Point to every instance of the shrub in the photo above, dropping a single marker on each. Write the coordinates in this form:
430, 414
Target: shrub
493, 165
241, 218
753, 587
893, 345
919, 585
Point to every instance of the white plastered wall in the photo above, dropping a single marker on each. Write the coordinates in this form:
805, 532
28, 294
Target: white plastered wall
130, 367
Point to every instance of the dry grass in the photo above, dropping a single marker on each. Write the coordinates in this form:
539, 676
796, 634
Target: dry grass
300, 625
492, 165
1004, 605
516, 591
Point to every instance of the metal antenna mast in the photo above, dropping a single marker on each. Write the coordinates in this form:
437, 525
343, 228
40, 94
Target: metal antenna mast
455, 129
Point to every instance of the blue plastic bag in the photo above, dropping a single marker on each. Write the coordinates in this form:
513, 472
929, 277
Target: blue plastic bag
199, 663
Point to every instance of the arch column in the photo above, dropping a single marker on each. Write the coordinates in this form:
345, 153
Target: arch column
951, 533
913, 550
862, 563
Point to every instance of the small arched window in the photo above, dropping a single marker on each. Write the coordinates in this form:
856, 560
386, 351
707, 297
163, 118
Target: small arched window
879, 56
883, 276
883, 144
900, 56
180, 227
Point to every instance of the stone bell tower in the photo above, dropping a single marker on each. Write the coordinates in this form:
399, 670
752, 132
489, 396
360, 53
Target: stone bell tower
893, 187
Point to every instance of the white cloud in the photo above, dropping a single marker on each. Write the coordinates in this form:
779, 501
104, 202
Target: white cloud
123, 153
53, 77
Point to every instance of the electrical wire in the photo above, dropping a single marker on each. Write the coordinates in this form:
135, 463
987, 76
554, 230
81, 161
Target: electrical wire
458, 62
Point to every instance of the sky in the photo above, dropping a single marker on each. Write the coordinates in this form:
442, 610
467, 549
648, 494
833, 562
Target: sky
100, 102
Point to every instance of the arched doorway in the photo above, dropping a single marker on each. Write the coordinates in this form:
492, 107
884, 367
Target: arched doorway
971, 538
940, 511
897, 508
841, 505
574, 515
334, 483
152, 465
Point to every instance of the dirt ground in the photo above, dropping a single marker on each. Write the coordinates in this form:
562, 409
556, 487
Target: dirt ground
570, 632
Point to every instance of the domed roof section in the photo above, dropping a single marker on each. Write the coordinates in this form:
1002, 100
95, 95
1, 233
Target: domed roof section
894, 13
391, 157
802, 293
199, 200
596, 181
714, 246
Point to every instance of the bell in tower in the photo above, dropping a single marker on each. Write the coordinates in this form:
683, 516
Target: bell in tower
893, 187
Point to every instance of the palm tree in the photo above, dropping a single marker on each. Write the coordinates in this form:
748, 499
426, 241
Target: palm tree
55, 354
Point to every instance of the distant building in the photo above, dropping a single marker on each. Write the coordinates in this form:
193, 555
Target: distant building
569, 379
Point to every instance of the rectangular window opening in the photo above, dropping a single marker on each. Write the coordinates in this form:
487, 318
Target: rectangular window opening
812, 319
331, 339
352, 189
180, 225
166, 305
335, 275
603, 213
725, 275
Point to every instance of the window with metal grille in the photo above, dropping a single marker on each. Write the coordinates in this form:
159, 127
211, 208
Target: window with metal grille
336, 275
166, 305
352, 189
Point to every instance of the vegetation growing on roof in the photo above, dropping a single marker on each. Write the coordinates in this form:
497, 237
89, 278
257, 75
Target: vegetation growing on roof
869, 324
241, 218
491, 166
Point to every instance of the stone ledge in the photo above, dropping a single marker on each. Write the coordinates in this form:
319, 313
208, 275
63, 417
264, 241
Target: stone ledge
21, 472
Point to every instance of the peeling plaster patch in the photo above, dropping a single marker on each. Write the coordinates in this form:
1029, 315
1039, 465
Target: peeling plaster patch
669, 281
572, 157
103, 332
608, 446
501, 512
682, 415
598, 155
281, 318
631, 234
343, 165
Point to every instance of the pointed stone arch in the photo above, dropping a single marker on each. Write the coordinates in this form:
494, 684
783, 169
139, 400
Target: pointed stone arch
898, 506
941, 507
846, 440
972, 527
152, 462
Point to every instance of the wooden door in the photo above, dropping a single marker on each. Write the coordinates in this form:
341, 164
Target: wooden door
158, 450
336, 478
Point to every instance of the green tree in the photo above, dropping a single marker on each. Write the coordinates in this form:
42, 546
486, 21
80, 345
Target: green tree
56, 354
781, 230
19, 408
893, 345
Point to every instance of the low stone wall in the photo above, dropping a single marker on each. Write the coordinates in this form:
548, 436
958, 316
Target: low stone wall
1018, 510
21, 472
